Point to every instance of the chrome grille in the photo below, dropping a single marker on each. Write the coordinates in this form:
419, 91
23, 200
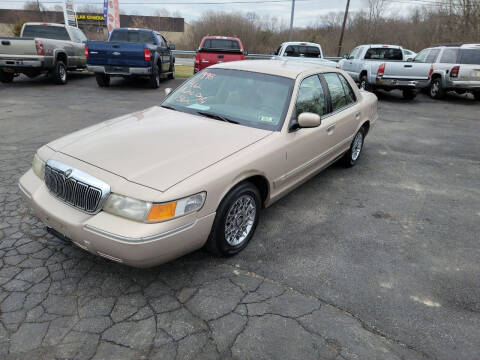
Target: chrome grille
75, 187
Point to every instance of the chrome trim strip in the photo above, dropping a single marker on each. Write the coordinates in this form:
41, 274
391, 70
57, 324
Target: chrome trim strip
310, 162
137, 240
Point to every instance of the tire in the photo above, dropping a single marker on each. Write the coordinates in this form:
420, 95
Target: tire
171, 71
60, 73
476, 95
436, 90
6, 77
103, 80
364, 83
409, 94
154, 80
231, 217
353, 154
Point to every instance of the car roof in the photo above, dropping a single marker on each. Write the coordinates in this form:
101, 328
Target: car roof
286, 68
220, 37
303, 43
45, 23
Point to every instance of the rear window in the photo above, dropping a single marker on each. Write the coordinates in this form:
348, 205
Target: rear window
302, 50
221, 44
132, 36
384, 53
470, 56
46, 31
449, 56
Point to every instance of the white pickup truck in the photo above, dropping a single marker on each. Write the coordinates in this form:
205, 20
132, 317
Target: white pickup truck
383, 67
303, 51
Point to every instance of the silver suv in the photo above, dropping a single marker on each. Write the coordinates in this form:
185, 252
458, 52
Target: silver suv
454, 68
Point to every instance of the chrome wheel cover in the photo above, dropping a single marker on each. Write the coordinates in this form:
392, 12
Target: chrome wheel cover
240, 220
62, 72
434, 88
363, 85
357, 146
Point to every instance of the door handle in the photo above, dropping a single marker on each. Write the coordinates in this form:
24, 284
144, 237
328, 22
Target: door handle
409, 66
331, 128
357, 116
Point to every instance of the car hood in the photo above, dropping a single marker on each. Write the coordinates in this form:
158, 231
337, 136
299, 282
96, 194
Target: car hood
157, 147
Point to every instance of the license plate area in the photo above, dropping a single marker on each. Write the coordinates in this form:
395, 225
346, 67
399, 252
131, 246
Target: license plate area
117, 69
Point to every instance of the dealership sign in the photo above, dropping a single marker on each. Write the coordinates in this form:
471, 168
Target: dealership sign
92, 17
111, 14
69, 13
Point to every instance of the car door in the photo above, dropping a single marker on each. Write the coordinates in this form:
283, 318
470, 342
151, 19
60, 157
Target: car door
307, 148
347, 64
344, 116
79, 40
163, 52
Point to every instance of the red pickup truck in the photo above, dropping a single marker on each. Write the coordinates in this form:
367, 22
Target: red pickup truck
217, 49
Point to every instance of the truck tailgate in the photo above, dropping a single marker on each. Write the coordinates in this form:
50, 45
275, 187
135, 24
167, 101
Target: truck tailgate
218, 56
116, 54
406, 70
11, 46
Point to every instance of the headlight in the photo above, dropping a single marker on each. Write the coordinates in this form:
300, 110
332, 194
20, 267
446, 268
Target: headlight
38, 167
151, 212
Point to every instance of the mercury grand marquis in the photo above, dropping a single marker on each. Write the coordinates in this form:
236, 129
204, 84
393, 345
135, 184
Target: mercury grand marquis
195, 171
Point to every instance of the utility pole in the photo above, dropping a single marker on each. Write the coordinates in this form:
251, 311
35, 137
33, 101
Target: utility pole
343, 29
291, 20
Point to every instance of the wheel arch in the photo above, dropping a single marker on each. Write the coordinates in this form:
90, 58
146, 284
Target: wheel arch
61, 55
256, 178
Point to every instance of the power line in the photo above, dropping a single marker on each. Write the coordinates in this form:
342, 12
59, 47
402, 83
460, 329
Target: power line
167, 3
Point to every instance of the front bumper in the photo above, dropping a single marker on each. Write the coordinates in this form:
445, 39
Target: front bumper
401, 84
119, 70
473, 85
115, 238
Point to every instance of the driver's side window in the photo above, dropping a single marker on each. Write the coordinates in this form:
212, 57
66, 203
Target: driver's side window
353, 54
311, 97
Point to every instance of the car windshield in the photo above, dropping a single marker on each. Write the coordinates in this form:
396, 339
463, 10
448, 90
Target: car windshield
470, 56
247, 98
132, 36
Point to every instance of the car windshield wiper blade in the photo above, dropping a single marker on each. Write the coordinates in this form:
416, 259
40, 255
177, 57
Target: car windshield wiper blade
168, 107
216, 116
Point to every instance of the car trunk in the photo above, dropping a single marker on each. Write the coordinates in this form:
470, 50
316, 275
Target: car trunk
406, 70
17, 46
469, 60
116, 54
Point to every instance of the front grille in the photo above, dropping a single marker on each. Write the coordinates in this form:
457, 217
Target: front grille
75, 188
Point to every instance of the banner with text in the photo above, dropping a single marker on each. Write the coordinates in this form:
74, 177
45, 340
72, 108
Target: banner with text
111, 14
69, 13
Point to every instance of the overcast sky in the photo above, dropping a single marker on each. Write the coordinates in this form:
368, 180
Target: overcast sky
306, 11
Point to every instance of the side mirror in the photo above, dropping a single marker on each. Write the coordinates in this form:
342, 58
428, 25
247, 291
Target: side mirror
308, 120
168, 91
410, 59
171, 46
245, 52
345, 56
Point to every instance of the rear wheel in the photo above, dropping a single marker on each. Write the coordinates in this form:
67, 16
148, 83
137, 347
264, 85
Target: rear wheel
171, 71
6, 77
476, 95
353, 154
60, 73
436, 90
103, 80
364, 85
409, 94
236, 220
154, 80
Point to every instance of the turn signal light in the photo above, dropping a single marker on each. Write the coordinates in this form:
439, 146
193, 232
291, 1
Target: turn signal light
147, 54
454, 71
381, 70
40, 48
86, 51
160, 212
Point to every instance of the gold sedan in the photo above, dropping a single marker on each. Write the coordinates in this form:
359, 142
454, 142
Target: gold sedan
196, 170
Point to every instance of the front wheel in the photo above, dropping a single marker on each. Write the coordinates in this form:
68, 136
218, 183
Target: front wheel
436, 90
6, 77
103, 80
409, 94
353, 154
60, 73
236, 220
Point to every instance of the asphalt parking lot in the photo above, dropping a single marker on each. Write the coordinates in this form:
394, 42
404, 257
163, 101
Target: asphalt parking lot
380, 261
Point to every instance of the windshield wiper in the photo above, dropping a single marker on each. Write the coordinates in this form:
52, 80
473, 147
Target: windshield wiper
168, 107
216, 116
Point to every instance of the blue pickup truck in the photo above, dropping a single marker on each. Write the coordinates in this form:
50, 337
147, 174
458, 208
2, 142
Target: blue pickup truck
131, 52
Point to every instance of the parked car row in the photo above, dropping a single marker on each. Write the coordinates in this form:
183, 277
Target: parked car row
437, 69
